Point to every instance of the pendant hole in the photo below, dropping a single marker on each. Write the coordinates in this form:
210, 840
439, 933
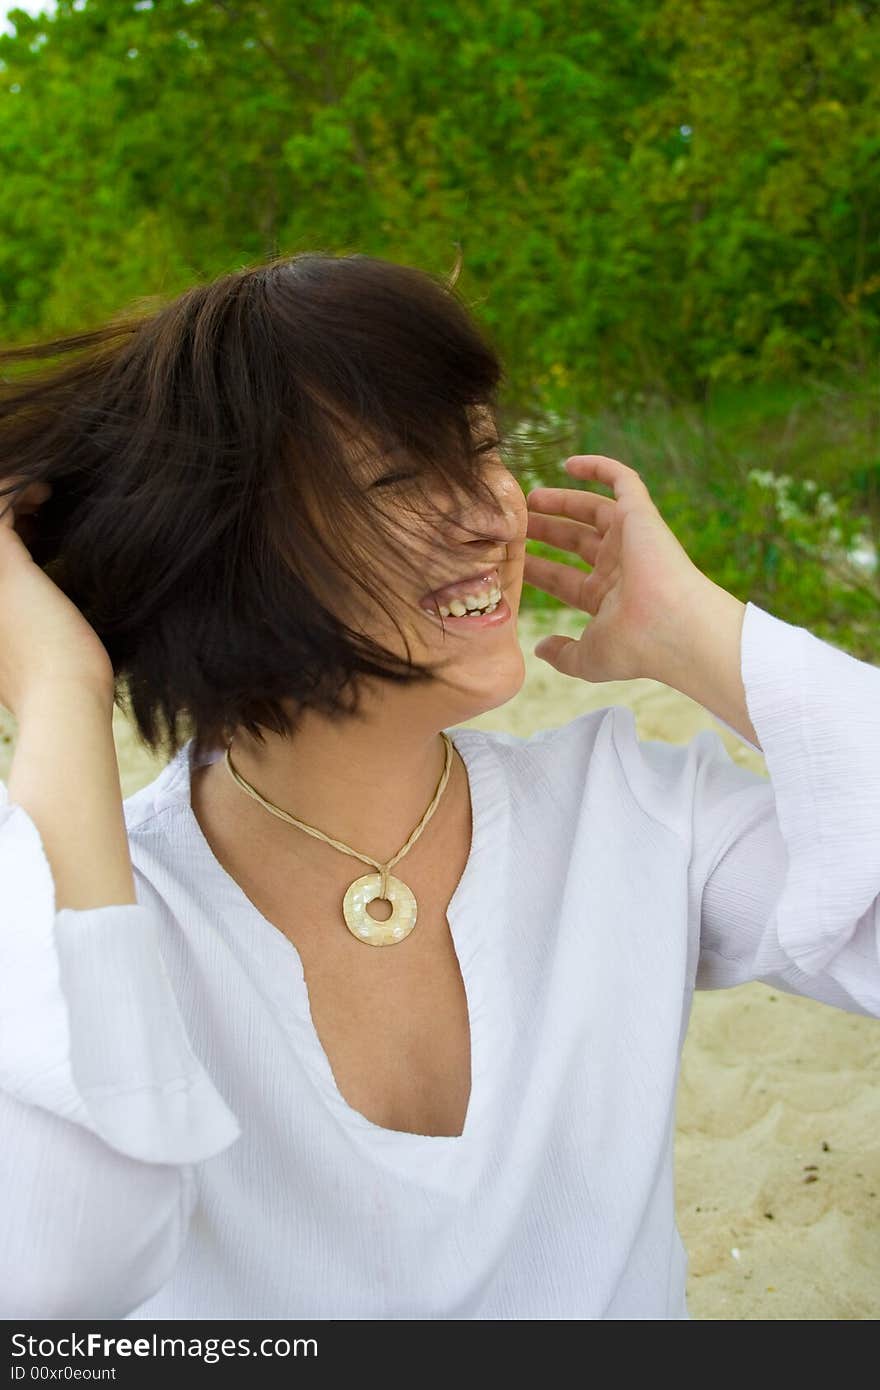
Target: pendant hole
385, 909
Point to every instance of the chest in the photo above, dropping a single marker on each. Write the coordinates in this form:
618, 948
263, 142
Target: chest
393, 1020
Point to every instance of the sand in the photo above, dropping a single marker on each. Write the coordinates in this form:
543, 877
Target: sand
777, 1142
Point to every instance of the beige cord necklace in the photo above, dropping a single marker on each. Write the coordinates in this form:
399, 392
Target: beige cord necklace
362, 891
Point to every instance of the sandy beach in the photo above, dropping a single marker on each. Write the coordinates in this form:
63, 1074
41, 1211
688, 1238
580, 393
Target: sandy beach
778, 1147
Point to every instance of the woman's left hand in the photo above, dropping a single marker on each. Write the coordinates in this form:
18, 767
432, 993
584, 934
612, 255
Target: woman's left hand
642, 584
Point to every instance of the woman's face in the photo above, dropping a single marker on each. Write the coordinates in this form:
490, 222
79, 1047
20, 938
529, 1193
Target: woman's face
452, 572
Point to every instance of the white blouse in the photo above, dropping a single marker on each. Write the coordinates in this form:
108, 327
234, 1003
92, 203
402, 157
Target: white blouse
175, 1146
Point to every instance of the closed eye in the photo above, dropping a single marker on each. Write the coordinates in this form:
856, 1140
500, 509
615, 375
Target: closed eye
487, 447
394, 478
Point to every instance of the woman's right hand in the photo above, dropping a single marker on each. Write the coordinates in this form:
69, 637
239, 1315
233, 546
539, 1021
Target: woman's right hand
44, 639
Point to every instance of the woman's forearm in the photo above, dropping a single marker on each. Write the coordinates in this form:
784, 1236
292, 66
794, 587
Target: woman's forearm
65, 775
704, 659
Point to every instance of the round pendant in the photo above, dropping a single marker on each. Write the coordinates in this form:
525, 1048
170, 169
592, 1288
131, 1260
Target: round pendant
366, 928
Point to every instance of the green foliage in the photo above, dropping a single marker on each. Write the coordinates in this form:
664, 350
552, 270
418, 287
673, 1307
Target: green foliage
658, 203
769, 205
661, 196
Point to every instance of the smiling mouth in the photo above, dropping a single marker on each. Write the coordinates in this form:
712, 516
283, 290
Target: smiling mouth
473, 619
462, 595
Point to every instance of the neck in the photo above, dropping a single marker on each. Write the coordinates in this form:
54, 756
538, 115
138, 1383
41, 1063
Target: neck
368, 786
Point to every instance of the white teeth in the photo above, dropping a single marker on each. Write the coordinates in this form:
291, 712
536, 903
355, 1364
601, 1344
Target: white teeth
458, 610
459, 606
471, 603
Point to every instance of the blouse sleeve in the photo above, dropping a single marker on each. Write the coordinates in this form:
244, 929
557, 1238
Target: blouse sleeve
104, 1106
785, 870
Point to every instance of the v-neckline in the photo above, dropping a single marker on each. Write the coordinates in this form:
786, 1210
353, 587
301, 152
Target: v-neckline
475, 915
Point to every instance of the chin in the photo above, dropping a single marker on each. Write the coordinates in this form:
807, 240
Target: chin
484, 693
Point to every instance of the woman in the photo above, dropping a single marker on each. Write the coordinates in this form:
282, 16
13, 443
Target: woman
233, 1084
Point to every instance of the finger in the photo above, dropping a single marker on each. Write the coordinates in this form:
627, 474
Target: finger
588, 594
578, 504
32, 497
562, 653
565, 535
624, 480
548, 648
564, 582
10, 501
14, 506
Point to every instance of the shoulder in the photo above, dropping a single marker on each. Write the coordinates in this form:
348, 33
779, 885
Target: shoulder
168, 791
599, 757
549, 768
528, 755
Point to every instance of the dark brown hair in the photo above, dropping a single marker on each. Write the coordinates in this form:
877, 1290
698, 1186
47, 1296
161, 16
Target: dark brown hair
216, 468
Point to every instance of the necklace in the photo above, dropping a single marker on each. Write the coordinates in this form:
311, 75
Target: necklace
404, 909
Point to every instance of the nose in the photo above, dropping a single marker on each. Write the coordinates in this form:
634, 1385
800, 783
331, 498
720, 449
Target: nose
498, 523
